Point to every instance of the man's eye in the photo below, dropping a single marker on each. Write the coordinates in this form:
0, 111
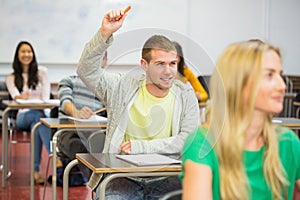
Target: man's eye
173, 64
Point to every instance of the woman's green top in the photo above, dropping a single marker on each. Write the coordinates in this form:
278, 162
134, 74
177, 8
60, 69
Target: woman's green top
198, 150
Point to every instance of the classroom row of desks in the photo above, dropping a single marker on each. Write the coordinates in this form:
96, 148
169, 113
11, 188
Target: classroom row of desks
64, 125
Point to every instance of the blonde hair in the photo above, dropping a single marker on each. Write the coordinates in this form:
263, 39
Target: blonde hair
229, 117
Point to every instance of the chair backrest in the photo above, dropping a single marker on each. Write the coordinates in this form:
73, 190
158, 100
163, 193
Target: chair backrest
96, 141
174, 195
204, 82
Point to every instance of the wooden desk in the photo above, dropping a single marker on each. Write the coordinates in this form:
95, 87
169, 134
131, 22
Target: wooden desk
4, 95
116, 168
63, 125
292, 123
12, 105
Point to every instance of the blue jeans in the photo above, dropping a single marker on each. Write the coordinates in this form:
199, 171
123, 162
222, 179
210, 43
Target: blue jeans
26, 121
144, 189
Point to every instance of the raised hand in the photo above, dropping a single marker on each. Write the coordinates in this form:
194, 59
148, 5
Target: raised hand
111, 22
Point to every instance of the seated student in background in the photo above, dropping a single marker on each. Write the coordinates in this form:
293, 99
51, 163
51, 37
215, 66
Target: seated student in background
76, 100
149, 113
186, 75
240, 153
30, 81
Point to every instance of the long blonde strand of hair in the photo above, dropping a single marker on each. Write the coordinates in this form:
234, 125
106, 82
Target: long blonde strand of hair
273, 169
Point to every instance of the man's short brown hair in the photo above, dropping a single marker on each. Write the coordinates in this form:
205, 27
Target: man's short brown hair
159, 42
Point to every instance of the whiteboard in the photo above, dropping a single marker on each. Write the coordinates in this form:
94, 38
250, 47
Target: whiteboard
59, 29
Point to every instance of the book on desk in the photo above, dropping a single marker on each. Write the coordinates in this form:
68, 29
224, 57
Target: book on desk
38, 101
92, 119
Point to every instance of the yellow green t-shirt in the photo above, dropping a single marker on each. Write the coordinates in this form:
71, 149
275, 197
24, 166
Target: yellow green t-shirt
150, 117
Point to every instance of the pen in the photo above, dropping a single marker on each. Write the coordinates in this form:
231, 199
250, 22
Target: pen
100, 110
125, 11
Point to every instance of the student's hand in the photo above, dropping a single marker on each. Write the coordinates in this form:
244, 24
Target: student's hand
125, 147
198, 96
84, 113
111, 22
23, 95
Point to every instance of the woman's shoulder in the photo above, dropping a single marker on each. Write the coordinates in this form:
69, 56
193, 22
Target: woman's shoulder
198, 148
196, 138
10, 78
10, 75
287, 138
285, 133
42, 69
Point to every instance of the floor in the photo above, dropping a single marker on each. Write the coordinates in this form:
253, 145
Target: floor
18, 184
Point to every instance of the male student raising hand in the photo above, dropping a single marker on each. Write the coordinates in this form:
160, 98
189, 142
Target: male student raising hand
147, 113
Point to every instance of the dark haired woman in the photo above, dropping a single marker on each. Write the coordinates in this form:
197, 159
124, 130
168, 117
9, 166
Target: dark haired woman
30, 81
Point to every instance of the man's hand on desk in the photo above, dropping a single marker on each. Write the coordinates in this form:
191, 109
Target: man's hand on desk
84, 113
125, 148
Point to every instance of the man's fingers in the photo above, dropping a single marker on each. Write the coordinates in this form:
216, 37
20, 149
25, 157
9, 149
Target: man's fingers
126, 147
115, 15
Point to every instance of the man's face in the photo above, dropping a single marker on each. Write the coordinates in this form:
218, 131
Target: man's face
160, 71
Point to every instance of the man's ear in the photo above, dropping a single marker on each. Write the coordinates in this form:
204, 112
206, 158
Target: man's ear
144, 64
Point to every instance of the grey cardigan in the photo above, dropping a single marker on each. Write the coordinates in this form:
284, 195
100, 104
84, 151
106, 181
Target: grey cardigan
118, 91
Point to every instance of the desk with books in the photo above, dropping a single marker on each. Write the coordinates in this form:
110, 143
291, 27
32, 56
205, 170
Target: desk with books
63, 125
12, 105
116, 168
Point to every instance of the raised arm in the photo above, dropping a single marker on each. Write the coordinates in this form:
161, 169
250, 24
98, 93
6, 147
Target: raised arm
89, 67
111, 23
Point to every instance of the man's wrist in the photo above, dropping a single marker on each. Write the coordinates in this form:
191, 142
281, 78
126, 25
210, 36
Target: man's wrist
105, 35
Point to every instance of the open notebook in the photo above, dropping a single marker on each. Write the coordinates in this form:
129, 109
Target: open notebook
38, 101
92, 119
148, 159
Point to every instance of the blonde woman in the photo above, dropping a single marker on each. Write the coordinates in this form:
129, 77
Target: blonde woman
240, 153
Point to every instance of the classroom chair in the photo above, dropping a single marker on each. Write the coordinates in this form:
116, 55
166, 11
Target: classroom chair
95, 144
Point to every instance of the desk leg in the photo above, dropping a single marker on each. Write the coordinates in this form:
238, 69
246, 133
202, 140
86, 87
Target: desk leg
110, 177
54, 142
66, 178
54, 154
34, 128
4, 145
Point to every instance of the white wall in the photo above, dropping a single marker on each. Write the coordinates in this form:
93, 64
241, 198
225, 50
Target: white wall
203, 27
